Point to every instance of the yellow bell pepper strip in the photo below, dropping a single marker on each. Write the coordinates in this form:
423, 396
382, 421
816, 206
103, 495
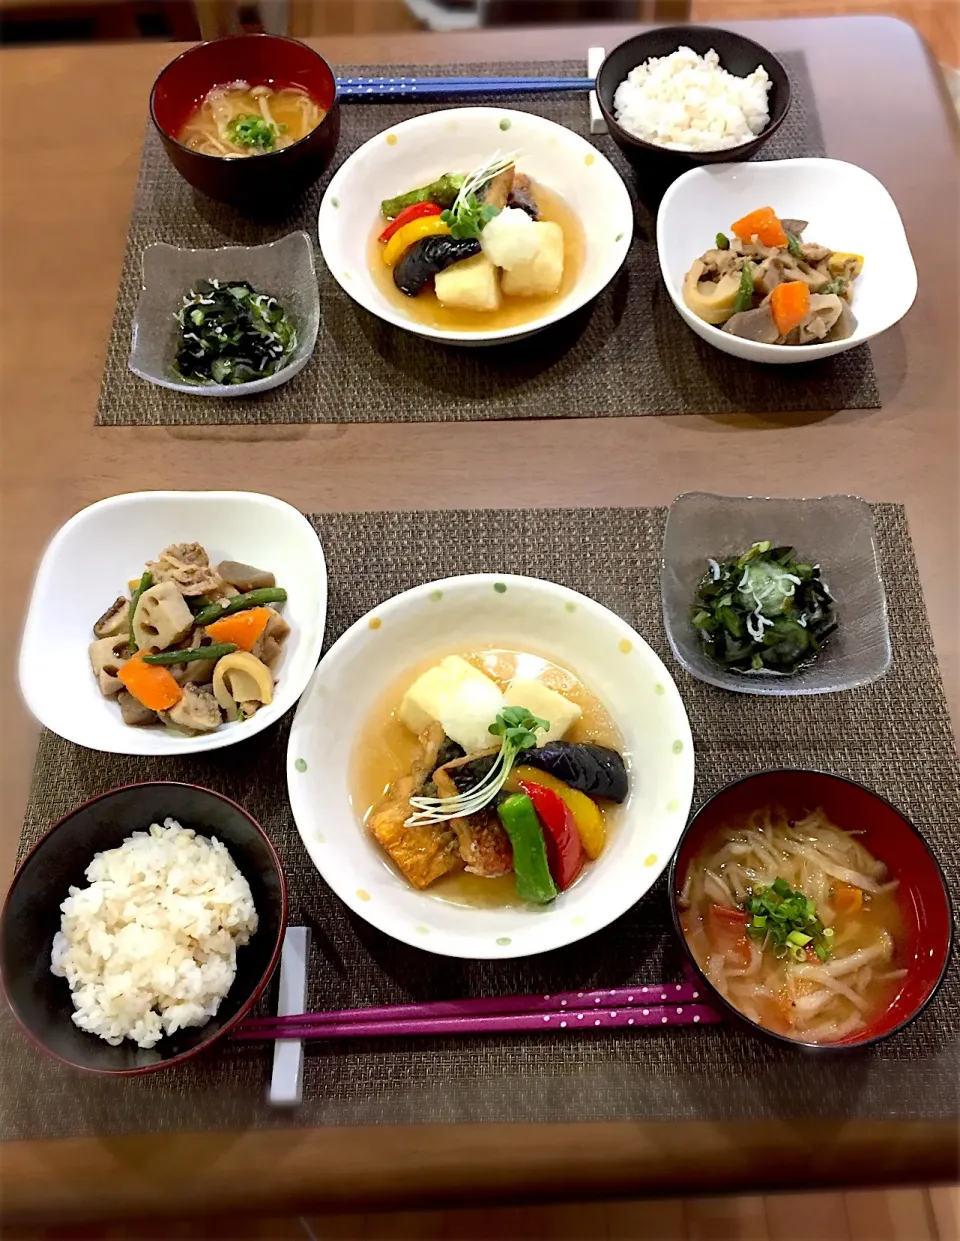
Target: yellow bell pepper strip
531, 872
564, 851
416, 211
410, 234
587, 815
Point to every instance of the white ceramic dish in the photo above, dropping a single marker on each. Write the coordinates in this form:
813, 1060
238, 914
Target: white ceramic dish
470, 612
847, 209
458, 139
87, 565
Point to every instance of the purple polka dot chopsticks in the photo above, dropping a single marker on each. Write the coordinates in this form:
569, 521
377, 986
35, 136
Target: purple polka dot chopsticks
657, 1004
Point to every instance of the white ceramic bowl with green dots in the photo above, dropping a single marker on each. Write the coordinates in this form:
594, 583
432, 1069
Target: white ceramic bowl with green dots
468, 613
417, 151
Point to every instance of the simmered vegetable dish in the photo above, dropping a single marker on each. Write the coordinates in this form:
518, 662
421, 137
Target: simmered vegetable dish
767, 284
192, 645
473, 242
495, 770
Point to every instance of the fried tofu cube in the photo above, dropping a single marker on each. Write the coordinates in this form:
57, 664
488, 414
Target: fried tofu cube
559, 712
459, 697
542, 275
469, 285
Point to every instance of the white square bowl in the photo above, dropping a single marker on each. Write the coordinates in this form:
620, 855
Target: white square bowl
847, 209
88, 564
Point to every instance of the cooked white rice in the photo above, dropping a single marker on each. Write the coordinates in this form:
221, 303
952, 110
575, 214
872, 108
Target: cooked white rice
688, 103
151, 945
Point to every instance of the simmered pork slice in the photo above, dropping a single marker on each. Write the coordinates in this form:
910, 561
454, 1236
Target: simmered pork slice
188, 567
484, 845
421, 854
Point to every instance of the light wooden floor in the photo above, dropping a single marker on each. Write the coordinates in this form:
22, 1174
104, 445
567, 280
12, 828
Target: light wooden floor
924, 1214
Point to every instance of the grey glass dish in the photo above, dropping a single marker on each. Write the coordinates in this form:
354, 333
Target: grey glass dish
836, 532
285, 269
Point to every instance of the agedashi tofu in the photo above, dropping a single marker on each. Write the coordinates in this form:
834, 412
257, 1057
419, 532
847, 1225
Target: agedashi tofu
464, 700
544, 272
469, 285
539, 699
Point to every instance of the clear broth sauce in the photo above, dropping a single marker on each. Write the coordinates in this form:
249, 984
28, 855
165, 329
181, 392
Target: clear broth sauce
513, 311
385, 750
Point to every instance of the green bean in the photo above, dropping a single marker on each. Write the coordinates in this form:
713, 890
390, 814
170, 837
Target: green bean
213, 651
240, 603
146, 581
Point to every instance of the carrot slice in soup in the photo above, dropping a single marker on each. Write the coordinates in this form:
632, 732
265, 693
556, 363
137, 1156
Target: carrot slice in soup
764, 224
727, 932
775, 1013
790, 303
848, 899
152, 685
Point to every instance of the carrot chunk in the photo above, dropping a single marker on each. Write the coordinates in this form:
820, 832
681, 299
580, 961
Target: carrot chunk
152, 685
764, 224
790, 303
242, 628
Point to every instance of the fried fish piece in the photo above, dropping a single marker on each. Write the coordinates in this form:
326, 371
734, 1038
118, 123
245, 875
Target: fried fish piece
421, 854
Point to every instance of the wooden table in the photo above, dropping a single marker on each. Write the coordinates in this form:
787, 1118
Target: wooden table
72, 128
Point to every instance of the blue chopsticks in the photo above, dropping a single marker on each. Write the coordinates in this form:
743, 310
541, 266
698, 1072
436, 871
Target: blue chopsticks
442, 88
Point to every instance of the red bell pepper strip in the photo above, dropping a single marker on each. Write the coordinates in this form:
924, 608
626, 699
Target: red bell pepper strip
564, 850
416, 211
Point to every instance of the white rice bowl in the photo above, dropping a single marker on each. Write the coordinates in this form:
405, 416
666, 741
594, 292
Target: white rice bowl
150, 947
690, 103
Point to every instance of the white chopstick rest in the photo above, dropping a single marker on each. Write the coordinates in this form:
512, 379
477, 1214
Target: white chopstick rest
286, 1084
595, 58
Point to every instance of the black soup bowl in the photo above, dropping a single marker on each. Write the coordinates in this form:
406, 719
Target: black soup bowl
738, 55
264, 183
31, 917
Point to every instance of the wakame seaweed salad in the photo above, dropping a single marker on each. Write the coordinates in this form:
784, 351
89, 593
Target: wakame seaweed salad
231, 334
763, 611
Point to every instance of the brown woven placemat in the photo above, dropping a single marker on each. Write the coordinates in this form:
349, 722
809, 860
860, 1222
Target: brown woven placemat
629, 352
894, 736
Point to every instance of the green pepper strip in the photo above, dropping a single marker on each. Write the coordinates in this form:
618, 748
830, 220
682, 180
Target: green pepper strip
216, 650
145, 583
530, 868
240, 603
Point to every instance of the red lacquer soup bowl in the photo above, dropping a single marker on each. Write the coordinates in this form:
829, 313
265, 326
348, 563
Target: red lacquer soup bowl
266, 182
926, 934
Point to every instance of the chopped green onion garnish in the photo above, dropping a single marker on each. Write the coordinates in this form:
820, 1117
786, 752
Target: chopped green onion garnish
787, 922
